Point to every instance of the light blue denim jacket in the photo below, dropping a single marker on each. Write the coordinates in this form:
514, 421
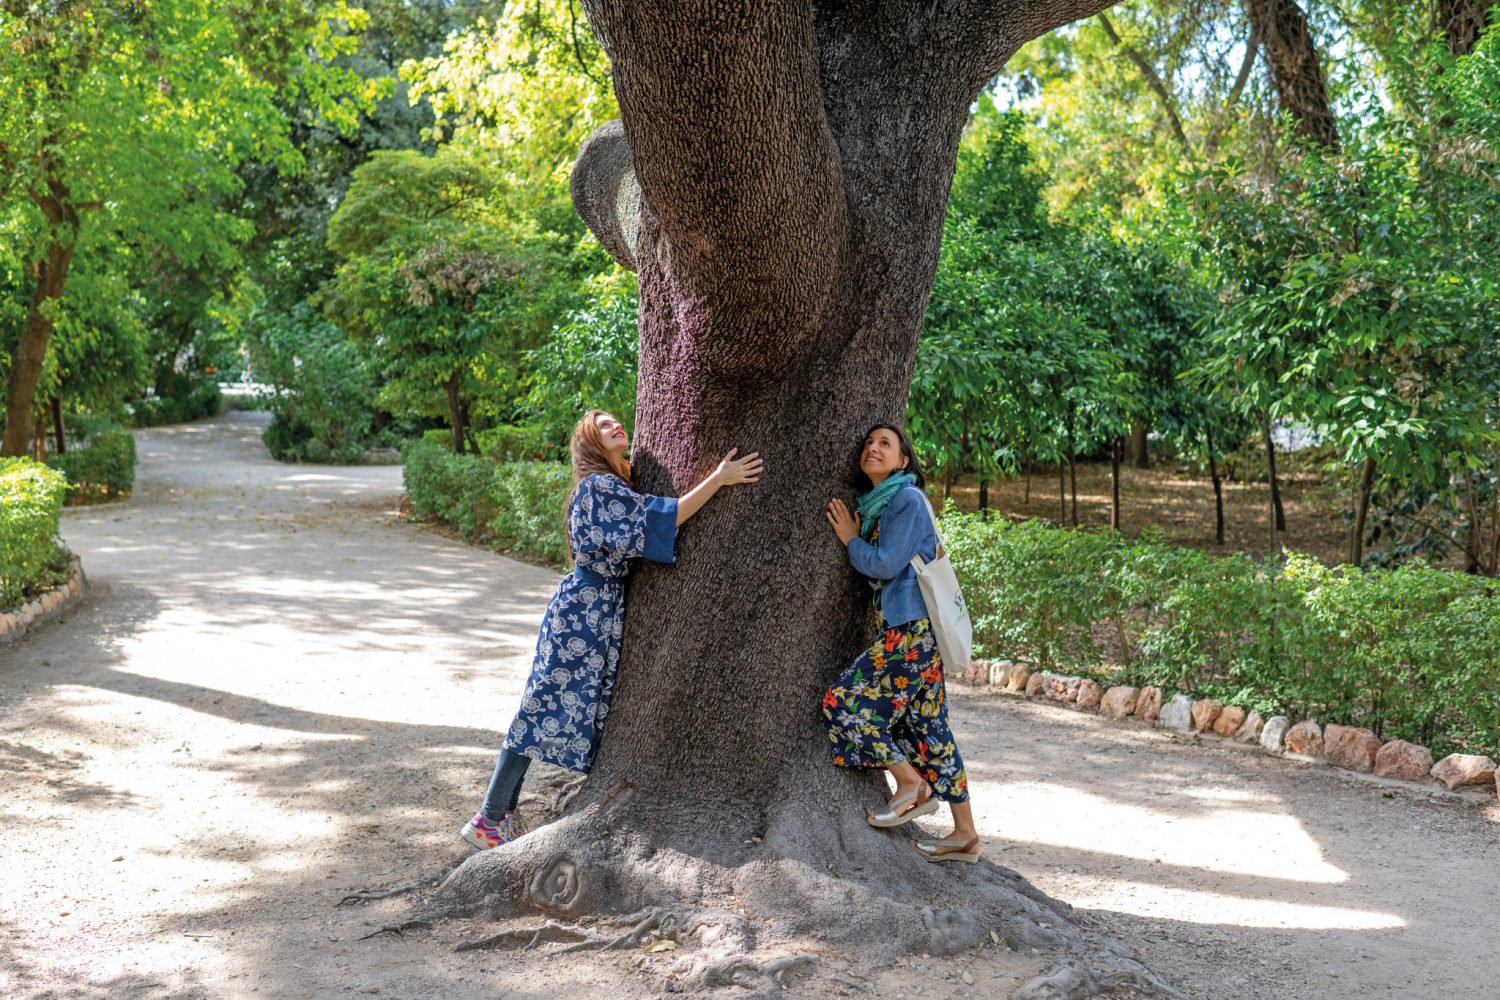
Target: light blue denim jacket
905, 531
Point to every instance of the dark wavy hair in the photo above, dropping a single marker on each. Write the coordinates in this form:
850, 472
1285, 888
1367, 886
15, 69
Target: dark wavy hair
912, 464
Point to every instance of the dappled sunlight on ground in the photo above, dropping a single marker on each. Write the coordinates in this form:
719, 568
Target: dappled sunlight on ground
1239, 840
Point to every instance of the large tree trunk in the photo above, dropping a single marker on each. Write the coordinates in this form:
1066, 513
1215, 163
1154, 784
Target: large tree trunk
1296, 69
31, 352
793, 166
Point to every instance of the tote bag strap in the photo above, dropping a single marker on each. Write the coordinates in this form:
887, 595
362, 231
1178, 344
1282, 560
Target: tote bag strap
932, 515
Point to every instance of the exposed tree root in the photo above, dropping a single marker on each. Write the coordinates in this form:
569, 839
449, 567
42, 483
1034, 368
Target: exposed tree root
430, 879
634, 930
400, 929
736, 901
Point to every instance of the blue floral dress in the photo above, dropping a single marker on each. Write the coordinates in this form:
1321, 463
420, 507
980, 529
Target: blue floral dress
573, 671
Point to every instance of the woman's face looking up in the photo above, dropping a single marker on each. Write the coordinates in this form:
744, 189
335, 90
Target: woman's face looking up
613, 433
882, 455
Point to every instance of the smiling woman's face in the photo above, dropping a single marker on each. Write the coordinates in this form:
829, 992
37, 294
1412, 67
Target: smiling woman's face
612, 432
881, 455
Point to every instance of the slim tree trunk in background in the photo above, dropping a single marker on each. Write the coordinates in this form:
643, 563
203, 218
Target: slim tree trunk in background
1116, 447
793, 163
39, 436
1296, 68
1137, 446
1026, 499
1062, 494
984, 497
455, 412
1213, 473
1278, 513
1361, 509
1072, 468
57, 423
1462, 22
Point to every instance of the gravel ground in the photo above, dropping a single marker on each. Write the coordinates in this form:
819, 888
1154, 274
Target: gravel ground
277, 692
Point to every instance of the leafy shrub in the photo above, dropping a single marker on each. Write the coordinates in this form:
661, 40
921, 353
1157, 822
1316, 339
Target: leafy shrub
515, 506
101, 463
31, 500
521, 443
323, 409
1411, 653
195, 399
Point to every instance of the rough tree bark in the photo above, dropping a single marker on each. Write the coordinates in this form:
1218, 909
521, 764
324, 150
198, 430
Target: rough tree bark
792, 164
1296, 69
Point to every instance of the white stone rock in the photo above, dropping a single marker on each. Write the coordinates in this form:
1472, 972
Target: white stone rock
1000, 672
1178, 713
1274, 732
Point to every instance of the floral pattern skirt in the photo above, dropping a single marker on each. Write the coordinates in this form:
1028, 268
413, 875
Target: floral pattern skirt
890, 706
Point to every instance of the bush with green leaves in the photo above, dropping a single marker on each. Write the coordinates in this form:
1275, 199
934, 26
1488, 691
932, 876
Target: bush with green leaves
31, 557
514, 506
100, 464
323, 407
1412, 652
194, 399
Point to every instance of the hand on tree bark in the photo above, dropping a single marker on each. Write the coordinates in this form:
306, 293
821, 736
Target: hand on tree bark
845, 525
733, 471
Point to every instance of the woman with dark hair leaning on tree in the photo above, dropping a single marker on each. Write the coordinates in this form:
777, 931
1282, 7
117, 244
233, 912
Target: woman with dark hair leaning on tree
889, 709
609, 527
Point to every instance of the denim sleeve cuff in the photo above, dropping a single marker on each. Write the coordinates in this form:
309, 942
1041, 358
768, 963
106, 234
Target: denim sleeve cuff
661, 529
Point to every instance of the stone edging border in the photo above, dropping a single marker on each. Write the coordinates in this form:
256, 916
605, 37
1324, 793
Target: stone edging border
16, 623
1347, 747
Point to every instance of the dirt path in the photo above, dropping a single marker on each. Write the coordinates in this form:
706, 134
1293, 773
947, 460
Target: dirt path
277, 693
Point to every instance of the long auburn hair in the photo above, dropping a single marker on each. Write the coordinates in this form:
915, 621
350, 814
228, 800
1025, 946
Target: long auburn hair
590, 455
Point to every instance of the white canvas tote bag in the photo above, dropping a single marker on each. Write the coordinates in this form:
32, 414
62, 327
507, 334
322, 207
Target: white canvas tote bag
945, 602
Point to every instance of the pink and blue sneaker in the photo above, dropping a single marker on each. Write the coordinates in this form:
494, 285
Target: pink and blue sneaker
483, 834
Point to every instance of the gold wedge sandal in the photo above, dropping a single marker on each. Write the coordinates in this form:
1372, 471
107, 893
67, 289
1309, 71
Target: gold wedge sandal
936, 851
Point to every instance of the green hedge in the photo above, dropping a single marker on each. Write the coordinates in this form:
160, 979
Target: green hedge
101, 463
513, 506
195, 399
31, 500
1412, 652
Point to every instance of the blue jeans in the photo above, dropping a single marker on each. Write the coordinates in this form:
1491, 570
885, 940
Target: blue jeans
505, 786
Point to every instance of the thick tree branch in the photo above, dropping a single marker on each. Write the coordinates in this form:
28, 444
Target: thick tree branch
1296, 68
1153, 80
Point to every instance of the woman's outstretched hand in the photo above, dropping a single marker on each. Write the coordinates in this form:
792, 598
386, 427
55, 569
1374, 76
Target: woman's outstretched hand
845, 524
732, 471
